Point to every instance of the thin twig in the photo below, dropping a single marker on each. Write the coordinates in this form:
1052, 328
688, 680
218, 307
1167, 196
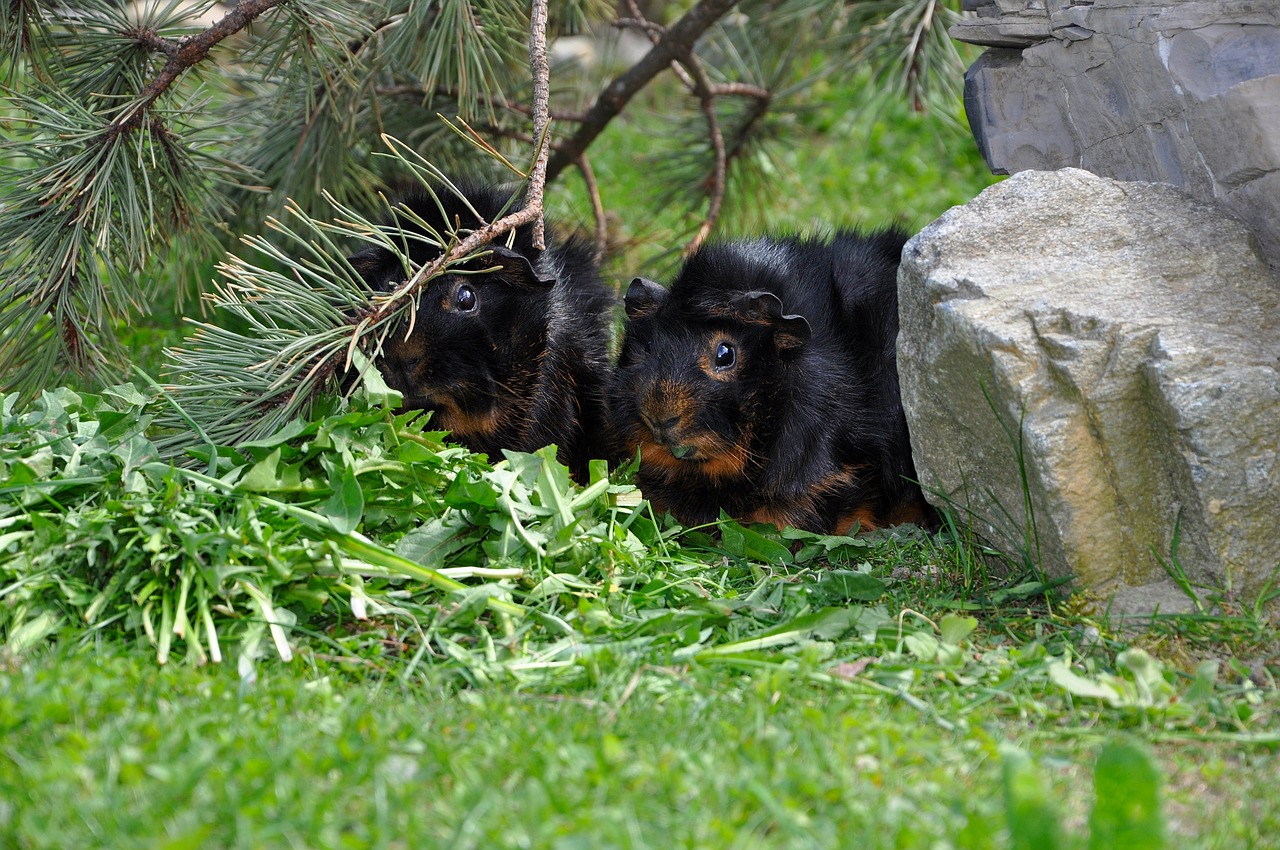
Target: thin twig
639, 22
707, 100
597, 206
148, 38
742, 90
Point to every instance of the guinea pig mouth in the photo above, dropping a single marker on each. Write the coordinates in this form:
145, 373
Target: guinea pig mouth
423, 402
684, 452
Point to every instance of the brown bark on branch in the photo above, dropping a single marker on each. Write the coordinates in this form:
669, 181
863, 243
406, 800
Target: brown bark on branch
677, 42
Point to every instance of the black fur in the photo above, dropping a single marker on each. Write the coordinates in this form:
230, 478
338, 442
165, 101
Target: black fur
805, 427
528, 365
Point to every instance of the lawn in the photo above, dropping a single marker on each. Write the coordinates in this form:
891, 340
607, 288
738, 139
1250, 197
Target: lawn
419, 650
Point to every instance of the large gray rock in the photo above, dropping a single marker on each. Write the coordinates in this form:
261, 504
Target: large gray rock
1117, 347
1175, 91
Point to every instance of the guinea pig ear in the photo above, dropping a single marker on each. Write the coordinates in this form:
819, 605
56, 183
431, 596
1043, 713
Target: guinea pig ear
516, 268
379, 268
765, 308
644, 298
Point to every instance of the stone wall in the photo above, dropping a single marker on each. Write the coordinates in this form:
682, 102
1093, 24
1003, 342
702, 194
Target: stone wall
1182, 91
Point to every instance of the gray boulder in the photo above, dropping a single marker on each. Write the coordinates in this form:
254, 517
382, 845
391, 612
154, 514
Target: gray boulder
1100, 362
1175, 91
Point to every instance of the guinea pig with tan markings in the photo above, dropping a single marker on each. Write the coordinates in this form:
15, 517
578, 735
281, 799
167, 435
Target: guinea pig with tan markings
764, 384
510, 351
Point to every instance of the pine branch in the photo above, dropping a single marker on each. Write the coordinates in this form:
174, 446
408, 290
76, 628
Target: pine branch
500, 101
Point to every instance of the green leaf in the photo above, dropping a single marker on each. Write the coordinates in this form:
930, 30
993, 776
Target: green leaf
1060, 674
468, 491
32, 631
1202, 687
1148, 677
955, 629
372, 385
127, 393
554, 486
432, 542
752, 545
826, 624
464, 606
1126, 811
922, 645
262, 476
293, 428
847, 585
345, 507
830, 546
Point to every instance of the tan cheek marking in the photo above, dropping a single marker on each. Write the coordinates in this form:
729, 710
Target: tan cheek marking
862, 515
916, 511
723, 464
779, 516
469, 425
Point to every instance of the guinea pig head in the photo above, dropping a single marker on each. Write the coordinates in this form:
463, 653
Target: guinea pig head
699, 377
471, 351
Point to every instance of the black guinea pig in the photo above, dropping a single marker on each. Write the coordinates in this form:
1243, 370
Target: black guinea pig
764, 383
511, 351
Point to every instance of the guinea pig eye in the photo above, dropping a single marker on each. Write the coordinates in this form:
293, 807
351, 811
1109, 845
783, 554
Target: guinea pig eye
725, 356
464, 299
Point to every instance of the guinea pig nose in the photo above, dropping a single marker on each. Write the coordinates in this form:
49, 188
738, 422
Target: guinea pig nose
660, 426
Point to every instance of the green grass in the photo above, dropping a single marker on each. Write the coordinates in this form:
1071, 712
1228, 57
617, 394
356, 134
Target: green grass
106, 749
620, 682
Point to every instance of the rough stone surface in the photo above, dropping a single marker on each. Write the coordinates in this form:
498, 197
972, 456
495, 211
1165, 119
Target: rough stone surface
1123, 339
1175, 91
